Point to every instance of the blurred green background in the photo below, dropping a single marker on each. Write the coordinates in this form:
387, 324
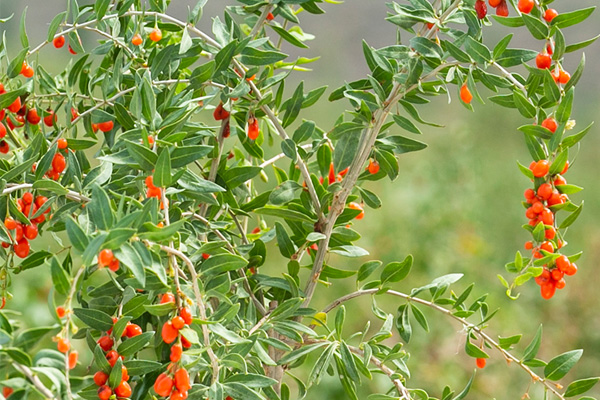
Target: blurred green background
455, 206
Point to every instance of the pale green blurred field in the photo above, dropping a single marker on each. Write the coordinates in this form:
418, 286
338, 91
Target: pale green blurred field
455, 206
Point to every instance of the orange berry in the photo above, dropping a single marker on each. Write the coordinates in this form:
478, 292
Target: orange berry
559, 180
494, 3
480, 9
547, 290
133, 330
62, 143
547, 246
502, 9
253, 130
186, 314
105, 258
33, 117
571, 269
182, 380
31, 231
560, 284
155, 35
356, 206
550, 233
10, 223
480, 362
106, 126
167, 298
541, 168
22, 248
63, 345
270, 16
550, 124
112, 356
58, 41
163, 386
169, 333
106, 343
100, 378
137, 40
60, 311
564, 77
73, 356
123, 390
49, 118
176, 352
537, 207
59, 163
465, 94
543, 60
525, 6
528, 245
545, 191
15, 106
114, 265
550, 14
565, 169
104, 392
71, 50
178, 322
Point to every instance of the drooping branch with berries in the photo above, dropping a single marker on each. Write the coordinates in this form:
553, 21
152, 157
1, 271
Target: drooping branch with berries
166, 164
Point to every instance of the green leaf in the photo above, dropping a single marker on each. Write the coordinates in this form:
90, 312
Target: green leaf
254, 56
223, 58
578, 46
251, 380
18, 355
284, 213
426, 47
141, 367
564, 108
116, 373
526, 109
16, 171
478, 51
30, 337
60, 279
474, 351
77, 237
559, 162
53, 28
94, 318
534, 346
537, 28
560, 365
465, 391
134, 344
220, 263
536, 130
22, 29
396, 271
301, 352
145, 157
100, 7
576, 75
403, 323
182, 156
564, 20
293, 106
286, 246
512, 22
367, 269
420, 317
571, 218
406, 124
348, 362
580, 386
402, 144
132, 260
99, 208
288, 37
14, 68
237, 175
162, 172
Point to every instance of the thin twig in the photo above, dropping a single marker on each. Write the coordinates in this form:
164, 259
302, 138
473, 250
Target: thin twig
464, 322
12, 187
34, 380
261, 20
282, 155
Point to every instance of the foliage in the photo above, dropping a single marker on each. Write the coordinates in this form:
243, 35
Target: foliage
146, 160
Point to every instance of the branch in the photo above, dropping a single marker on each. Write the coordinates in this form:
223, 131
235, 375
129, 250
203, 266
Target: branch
508, 356
34, 380
281, 155
261, 20
13, 187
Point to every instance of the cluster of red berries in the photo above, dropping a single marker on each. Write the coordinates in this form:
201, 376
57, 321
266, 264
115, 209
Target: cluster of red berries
175, 382
500, 6
106, 343
22, 232
106, 258
540, 199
